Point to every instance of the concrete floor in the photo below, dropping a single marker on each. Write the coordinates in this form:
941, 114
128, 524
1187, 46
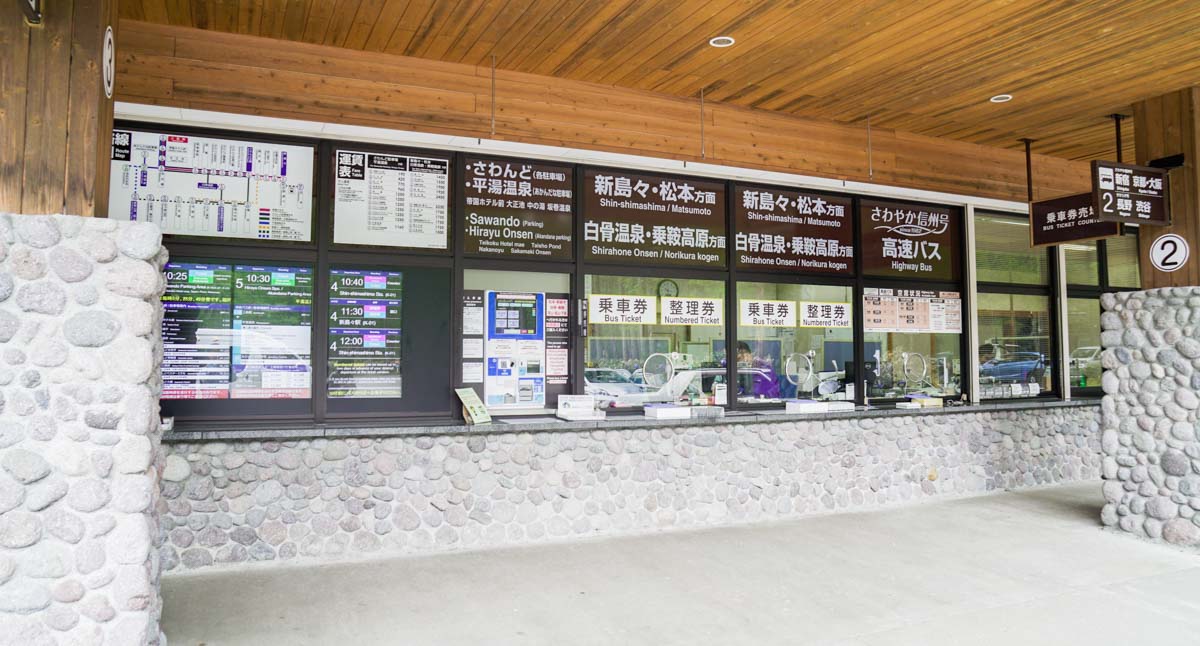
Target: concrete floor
1015, 568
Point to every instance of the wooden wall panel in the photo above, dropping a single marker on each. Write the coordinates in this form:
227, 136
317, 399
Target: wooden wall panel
185, 67
1170, 125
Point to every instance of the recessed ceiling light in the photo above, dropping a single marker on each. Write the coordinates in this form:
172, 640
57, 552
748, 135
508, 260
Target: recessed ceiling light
721, 41
1001, 98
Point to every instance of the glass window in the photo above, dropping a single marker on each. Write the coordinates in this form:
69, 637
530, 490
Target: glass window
655, 340
1083, 264
795, 341
1122, 256
1014, 346
1083, 329
516, 338
903, 363
1002, 253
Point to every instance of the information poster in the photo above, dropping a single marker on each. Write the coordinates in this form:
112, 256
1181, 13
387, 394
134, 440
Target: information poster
197, 318
786, 230
517, 208
391, 200
515, 350
472, 337
364, 333
640, 218
272, 323
204, 186
558, 347
917, 241
911, 310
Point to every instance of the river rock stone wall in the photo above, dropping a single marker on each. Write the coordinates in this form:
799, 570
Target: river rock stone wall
1150, 434
232, 502
79, 430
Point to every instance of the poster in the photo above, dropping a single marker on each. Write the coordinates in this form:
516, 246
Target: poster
272, 323
611, 309
911, 310
206, 186
517, 208
918, 241
648, 218
765, 313
515, 350
787, 230
365, 317
692, 311
1067, 219
197, 317
391, 200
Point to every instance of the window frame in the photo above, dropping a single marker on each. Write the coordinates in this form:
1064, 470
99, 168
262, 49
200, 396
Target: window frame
1094, 292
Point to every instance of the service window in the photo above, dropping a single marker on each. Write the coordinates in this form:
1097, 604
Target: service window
1014, 345
656, 340
1083, 330
794, 341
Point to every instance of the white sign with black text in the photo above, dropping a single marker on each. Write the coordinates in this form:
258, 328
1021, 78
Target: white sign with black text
761, 313
610, 309
391, 200
1169, 252
692, 311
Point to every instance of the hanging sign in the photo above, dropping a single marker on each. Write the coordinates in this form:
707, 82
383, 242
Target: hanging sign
33, 11
760, 313
692, 311
204, 186
786, 230
391, 200
1169, 252
1067, 219
517, 208
1127, 193
917, 241
658, 219
621, 310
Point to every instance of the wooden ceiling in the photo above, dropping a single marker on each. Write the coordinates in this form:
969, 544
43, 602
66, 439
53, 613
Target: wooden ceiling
921, 66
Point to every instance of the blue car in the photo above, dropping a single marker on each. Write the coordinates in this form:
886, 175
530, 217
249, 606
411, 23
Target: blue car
1015, 367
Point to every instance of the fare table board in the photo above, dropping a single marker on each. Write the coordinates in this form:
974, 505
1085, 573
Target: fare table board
1128, 193
391, 200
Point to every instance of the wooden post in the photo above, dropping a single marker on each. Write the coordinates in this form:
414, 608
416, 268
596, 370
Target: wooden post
1164, 126
55, 112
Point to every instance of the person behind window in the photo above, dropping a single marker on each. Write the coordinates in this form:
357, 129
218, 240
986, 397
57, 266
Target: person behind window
766, 382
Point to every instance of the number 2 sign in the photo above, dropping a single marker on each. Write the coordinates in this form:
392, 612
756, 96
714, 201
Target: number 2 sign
1169, 252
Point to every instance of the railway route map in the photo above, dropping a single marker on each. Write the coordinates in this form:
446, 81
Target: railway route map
205, 186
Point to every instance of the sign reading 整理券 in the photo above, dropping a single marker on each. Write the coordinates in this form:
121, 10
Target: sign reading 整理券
1127, 193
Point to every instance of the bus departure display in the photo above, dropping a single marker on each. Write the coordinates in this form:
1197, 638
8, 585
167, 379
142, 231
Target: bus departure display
197, 317
364, 333
272, 320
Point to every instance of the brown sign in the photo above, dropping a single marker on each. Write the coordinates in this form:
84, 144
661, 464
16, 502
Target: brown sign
658, 219
1127, 193
918, 241
1067, 219
517, 208
785, 230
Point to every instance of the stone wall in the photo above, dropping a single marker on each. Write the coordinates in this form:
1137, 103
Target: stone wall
79, 430
229, 502
1150, 439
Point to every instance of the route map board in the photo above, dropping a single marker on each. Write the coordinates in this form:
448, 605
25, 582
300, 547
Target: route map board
197, 318
391, 200
364, 333
204, 186
272, 321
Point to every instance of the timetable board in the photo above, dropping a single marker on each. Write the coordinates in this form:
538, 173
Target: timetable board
212, 187
364, 333
911, 310
391, 200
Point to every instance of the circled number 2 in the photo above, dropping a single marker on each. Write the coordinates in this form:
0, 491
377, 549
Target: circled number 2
1169, 252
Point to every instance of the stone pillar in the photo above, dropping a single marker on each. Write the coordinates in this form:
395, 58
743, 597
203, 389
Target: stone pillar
80, 347
1164, 126
56, 107
1149, 414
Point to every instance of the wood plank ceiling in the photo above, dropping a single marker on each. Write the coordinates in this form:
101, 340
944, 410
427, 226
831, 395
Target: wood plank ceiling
922, 66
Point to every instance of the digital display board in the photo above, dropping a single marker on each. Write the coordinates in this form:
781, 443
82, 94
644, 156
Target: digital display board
197, 318
272, 323
364, 333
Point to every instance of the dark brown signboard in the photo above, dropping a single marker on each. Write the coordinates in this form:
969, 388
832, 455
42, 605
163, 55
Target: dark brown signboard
1067, 219
780, 229
918, 241
517, 208
1127, 193
635, 218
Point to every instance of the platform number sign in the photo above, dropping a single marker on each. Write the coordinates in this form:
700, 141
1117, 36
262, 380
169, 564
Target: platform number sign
1169, 252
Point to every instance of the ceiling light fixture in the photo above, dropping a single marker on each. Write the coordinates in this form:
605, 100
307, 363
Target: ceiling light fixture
721, 41
1001, 98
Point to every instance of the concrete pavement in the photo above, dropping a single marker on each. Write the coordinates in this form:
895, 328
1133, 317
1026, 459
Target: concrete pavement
1014, 568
